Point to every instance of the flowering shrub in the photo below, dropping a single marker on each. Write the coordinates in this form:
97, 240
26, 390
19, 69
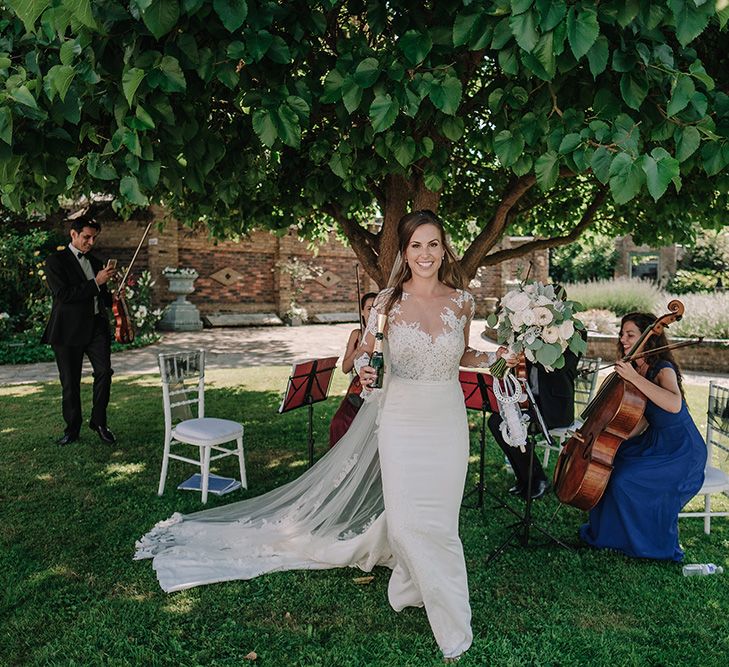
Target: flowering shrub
532, 318
138, 295
172, 271
300, 272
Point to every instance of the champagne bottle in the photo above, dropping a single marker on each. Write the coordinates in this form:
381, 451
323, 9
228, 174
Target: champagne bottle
378, 360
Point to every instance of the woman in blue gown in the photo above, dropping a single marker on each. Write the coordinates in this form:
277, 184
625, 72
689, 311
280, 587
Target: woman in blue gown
660, 468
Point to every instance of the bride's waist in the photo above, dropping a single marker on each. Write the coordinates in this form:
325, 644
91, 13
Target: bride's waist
399, 379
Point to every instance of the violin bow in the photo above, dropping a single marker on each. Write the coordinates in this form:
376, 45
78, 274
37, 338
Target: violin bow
663, 348
136, 252
359, 299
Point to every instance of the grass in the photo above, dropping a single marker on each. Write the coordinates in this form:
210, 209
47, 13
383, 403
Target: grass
72, 595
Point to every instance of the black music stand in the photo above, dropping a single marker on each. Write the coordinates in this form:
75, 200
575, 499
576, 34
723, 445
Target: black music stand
521, 528
478, 394
308, 384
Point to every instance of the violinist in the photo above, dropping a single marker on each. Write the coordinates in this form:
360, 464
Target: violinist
78, 326
352, 401
660, 467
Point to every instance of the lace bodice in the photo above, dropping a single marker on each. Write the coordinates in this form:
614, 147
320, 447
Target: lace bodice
425, 343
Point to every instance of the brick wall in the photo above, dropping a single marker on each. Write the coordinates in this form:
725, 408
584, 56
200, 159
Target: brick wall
251, 268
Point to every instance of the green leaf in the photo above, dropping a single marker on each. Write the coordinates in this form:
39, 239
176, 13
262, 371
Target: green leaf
508, 147
660, 169
131, 78
600, 163
462, 27
68, 51
333, 85
628, 10
144, 118
149, 174
383, 112
287, 126
690, 19
569, 143
524, 28
28, 11
231, 12
23, 96
598, 56
508, 61
129, 189
60, 77
279, 51
546, 169
522, 166
6, 125
633, 90
173, 80
81, 10
452, 127
697, 70
351, 94
548, 354
161, 16
258, 43
236, 50
544, 53
102, 170
264, 127
415, 46
582, 29
687, 142
73, 164
520, 6
551, 12
299, 105
404, 150
367, 72
445, 94
626, 178
713, 158
683, 89
432, 181
426, 146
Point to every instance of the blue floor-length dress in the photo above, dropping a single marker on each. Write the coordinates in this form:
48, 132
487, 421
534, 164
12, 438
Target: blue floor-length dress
656, 473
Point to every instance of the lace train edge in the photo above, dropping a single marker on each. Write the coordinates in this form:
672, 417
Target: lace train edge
156, 539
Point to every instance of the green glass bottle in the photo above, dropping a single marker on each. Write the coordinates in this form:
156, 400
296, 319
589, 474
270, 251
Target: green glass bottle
378, 360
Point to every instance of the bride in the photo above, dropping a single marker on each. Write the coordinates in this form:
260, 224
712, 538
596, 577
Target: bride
389, 493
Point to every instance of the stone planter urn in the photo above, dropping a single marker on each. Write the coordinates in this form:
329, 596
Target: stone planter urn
181, 315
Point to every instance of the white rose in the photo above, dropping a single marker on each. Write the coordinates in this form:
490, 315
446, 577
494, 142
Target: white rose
516, 320
566, 329
542, 300
519, 301
542, 315
550, 334
528, 317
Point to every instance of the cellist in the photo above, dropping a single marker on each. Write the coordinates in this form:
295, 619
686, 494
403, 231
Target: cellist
660, 467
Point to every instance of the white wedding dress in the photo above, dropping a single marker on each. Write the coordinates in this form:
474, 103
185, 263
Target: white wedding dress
388, 493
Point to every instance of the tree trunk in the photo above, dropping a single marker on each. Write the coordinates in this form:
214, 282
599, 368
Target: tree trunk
397, 196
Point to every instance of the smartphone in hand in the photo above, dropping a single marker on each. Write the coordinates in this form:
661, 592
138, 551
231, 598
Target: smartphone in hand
111, 264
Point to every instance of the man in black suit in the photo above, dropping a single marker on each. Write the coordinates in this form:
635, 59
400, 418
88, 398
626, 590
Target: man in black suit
554, 393
79, 326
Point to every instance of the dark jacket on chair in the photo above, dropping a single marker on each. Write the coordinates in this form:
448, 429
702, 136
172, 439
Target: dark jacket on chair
556, 398
72, 313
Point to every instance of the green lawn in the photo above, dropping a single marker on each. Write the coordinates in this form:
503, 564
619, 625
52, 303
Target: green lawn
72, 595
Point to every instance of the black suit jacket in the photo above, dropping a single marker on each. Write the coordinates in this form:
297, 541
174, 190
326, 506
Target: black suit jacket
72, 314
556, 398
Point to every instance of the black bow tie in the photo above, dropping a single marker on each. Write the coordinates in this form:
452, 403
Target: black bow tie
80, 255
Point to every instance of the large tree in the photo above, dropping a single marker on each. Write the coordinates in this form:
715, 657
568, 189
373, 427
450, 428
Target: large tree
542, 116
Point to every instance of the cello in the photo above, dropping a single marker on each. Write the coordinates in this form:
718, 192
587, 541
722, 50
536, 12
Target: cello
586, 461
124, 323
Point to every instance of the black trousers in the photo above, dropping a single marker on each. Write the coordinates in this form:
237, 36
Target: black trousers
519, 460
69, 359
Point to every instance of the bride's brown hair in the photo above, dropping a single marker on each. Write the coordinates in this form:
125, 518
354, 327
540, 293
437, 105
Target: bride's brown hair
449, 272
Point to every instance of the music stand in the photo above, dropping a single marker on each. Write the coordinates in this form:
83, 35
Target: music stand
478, 394
308, 383
525, 522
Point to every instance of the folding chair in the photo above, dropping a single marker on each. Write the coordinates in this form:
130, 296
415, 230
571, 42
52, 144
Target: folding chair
585, 385
182, 428
716, 480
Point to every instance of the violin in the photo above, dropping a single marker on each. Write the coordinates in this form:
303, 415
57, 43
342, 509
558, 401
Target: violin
586, 461
124, 323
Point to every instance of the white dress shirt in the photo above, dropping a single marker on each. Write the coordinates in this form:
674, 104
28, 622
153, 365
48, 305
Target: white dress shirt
88, 271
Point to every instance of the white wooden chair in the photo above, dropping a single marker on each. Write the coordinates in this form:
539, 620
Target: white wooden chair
716, 479
183, 385
585, 385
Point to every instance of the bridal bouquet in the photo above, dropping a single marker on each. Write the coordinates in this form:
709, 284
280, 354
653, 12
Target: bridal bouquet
536, 320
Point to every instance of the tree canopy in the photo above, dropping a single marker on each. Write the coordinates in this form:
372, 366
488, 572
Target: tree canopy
539, 116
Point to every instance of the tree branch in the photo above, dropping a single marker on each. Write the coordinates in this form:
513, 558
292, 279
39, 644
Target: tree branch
363, 241
542, 244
